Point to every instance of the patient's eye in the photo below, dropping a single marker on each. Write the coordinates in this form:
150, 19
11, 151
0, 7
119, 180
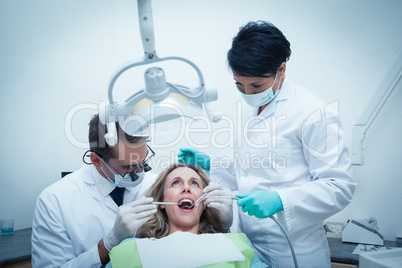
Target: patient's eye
195, 183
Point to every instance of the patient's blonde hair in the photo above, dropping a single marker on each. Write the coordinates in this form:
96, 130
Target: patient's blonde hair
158, 226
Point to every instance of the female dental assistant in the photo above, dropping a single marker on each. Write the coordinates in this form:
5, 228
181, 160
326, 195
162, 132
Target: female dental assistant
290, 159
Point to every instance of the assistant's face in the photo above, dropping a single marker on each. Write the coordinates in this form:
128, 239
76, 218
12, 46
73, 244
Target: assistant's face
254, 85
183, 183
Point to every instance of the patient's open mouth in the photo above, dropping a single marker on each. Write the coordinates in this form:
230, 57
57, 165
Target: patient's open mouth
185, 204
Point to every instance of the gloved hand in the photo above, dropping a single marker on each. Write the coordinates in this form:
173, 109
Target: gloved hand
262, 204
192, 156
222, 205
129, 218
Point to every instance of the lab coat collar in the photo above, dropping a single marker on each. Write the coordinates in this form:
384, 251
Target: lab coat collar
285, 90
104, 185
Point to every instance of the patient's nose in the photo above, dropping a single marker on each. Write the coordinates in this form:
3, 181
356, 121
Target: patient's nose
186, 187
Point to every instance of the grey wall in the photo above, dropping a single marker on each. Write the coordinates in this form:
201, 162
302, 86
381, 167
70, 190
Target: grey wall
55, 55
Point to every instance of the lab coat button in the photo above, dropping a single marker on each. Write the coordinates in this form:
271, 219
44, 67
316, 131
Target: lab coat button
245, 173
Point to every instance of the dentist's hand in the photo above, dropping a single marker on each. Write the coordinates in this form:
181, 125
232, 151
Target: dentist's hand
261, 204
129, 218
222, 205
192, 156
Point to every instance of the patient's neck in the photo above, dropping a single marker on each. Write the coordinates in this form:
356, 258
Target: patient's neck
173, 228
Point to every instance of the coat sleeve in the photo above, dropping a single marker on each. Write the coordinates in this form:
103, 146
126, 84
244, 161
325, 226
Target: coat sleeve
331, 186
51, 245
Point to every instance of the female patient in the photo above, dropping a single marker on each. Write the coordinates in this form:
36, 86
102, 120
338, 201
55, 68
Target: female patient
182, 184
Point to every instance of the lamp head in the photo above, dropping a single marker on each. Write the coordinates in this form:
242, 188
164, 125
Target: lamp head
156, 87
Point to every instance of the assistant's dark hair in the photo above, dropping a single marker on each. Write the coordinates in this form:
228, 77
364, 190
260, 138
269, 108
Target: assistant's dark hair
98, 144
258, 49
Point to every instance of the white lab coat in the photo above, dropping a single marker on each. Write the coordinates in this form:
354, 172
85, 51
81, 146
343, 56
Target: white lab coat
72, 216
295, 147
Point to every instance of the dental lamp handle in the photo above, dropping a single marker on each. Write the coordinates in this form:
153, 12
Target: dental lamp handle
213, 116
111, 135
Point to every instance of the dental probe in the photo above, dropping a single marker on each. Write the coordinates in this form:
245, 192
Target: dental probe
199, 199
164, 203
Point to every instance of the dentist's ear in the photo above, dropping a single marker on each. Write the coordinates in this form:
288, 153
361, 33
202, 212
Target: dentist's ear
95, 159
282, 69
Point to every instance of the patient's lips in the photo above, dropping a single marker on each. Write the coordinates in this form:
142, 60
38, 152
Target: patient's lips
185, 203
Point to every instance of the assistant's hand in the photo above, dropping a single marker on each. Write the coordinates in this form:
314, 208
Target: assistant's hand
129, 218
262, 204
192, 156
221, 204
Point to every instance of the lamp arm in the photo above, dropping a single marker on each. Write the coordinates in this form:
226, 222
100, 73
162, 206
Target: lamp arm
146, 27
148, 43
144, 61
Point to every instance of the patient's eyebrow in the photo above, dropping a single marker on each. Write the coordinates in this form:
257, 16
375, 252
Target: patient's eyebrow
191, 178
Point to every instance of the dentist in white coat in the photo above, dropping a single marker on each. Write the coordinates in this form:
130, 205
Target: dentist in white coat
290, 160
81, 217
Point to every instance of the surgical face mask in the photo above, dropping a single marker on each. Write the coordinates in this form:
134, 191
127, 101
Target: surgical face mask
262, 98
127, 180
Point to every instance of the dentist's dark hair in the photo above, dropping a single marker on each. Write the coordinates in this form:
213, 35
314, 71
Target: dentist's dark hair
98, 144
258, 49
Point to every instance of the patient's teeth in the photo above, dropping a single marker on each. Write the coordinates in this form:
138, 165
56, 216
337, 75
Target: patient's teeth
185, 203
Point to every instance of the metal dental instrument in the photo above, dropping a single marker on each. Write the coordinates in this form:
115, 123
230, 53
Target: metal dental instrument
199, 199
164, 203
167, 203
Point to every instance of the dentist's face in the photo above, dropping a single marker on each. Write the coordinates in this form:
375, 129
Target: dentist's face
183, 183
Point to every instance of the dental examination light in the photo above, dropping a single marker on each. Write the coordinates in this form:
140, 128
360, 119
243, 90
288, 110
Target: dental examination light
160, 100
